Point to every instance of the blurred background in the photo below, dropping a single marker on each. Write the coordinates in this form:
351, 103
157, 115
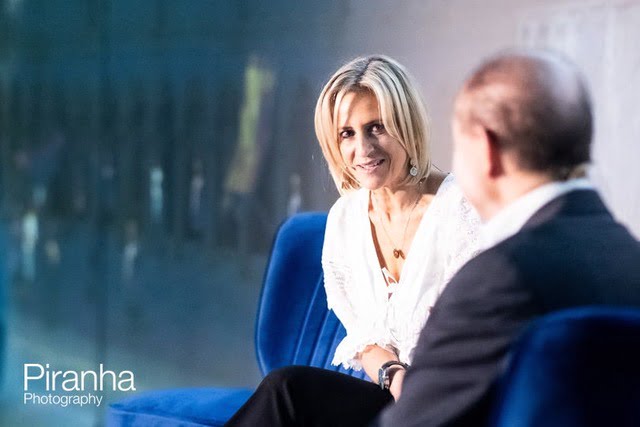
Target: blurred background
149, 151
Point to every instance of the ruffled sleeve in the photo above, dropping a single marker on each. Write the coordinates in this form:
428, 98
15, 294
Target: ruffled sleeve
349, 349
337, 277
337, 266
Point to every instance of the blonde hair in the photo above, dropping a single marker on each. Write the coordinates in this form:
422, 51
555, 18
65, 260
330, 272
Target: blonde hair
402, 112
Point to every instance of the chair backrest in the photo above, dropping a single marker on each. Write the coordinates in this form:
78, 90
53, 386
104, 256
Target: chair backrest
294, 326
577, 367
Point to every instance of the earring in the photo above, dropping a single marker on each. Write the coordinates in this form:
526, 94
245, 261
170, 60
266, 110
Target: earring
414, 170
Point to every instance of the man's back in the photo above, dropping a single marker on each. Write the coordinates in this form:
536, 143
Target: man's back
574, 253
570, 253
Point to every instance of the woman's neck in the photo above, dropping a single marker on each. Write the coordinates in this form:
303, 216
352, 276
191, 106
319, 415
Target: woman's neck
396, 201
392, 202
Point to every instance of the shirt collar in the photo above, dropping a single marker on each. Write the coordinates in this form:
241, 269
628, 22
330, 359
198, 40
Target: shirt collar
511, 219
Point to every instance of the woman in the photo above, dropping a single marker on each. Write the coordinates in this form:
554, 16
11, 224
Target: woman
399, 231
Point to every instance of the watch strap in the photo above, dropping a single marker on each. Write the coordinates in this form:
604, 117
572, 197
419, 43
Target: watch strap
383, 372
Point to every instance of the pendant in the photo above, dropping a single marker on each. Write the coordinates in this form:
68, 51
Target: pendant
397, 253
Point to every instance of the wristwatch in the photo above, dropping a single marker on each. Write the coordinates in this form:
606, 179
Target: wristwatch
383, 373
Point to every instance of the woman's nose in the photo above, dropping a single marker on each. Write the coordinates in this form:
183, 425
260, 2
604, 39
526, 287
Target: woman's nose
365, 144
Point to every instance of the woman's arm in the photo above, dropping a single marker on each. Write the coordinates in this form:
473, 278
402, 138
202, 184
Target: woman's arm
373, 357
395, 388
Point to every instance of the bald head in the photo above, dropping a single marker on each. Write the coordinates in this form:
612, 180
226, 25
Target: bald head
533, 104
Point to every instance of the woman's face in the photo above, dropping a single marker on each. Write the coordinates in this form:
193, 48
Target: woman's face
375, 158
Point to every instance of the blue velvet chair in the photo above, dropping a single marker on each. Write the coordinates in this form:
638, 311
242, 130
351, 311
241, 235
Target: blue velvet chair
574, 368
294, 327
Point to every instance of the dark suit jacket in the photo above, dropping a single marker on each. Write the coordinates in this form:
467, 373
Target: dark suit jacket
570, 253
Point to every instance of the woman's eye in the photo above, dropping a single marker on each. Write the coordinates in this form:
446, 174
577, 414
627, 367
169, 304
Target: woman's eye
377, 128
346, 134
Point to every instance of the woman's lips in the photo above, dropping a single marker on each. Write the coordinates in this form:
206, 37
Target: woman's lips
370, 166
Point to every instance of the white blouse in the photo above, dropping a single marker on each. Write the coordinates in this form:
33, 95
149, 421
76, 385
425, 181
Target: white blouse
357, 292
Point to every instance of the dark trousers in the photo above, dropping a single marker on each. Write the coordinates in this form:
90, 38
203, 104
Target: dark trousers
306, 396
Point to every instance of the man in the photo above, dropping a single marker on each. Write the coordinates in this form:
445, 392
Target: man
522, 131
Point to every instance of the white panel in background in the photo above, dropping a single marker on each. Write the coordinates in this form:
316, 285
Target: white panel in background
603, 38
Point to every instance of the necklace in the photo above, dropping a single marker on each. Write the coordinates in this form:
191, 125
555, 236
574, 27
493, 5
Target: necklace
397, 250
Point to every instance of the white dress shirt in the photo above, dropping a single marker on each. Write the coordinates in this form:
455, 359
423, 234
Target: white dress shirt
511, 219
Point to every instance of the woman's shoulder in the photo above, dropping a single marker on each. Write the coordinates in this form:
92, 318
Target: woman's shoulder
449, 189
342, 223
348, 204
454, 201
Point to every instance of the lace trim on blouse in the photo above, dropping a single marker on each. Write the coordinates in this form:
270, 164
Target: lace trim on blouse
355, 288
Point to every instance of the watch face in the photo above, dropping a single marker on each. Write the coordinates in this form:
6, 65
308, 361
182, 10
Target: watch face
381, 377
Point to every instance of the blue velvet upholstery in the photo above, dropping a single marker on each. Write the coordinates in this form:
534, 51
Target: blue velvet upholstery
179, 407
293, 327
578, 367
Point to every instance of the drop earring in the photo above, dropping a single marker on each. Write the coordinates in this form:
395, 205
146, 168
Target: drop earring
414, 170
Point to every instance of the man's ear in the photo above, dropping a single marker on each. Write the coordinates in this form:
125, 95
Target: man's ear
493, 154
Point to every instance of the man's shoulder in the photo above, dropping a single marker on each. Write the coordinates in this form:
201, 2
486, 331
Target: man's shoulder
562, 256
579, 216
563, 236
